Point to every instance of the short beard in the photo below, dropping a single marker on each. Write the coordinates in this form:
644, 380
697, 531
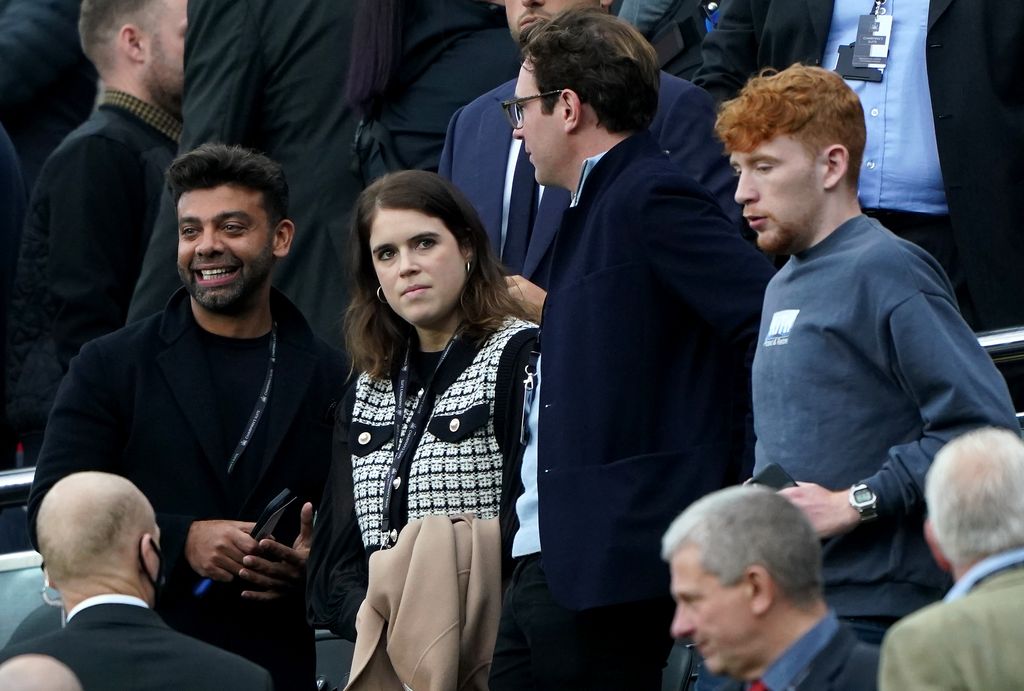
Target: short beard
236, 298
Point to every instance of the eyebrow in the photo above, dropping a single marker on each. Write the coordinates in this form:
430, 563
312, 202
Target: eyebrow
413, 238
220, 218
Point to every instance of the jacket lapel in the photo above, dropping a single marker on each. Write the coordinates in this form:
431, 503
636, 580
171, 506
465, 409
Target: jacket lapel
187, 374
549, 217
493, 142
293, 372
935, 10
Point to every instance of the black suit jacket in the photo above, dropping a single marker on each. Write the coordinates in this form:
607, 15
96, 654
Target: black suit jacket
845, 664
654, 296
270, 75
975, 59
124, 647
139, 403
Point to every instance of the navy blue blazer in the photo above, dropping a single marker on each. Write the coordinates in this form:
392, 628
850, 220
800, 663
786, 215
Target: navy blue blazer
654, 297
475, 158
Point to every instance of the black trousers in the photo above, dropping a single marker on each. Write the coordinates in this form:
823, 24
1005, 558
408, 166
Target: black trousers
542, 645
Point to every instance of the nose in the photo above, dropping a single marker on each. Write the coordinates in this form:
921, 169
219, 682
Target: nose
407, 265
518, 134
745, 192
209, 243
682, 623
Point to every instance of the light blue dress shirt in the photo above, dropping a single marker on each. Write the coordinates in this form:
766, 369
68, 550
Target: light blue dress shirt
527, 539
900, 170
788, 670
982, 570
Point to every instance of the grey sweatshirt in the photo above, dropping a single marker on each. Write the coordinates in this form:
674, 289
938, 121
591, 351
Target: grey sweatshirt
864, 369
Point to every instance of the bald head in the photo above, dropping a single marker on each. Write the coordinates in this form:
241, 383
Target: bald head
37, 673
89, 526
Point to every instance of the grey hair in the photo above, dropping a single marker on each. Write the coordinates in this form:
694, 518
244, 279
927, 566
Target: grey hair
738, 527
975, 495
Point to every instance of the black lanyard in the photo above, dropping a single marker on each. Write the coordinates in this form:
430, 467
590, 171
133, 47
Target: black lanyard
261, 403
404, 445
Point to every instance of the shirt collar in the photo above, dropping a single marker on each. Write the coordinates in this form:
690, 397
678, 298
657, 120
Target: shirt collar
111, 599
982, 570
154, 116
785, 671
588, 165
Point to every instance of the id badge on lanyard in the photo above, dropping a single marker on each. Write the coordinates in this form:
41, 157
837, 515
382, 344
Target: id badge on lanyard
865, 59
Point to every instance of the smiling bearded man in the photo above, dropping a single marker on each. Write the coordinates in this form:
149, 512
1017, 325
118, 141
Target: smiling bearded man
212, 408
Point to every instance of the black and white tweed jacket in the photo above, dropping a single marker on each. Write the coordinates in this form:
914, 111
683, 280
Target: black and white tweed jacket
457, 466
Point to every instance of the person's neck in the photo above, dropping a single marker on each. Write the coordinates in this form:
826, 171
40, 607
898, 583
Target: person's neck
596, 141
250, 323
784, 629
837, 211
76, 593
434, 340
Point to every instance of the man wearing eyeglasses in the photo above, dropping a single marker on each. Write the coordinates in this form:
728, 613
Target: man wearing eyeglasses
521, 219
632, 411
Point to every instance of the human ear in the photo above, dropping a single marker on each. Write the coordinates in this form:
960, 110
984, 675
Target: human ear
284, 233
837, 162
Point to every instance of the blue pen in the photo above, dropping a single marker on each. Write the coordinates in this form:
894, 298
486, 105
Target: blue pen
202, 587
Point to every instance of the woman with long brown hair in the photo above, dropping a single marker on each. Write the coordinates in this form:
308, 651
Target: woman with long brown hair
432, 423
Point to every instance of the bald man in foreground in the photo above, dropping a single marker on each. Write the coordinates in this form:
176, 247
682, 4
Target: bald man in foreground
37, 673
101, 550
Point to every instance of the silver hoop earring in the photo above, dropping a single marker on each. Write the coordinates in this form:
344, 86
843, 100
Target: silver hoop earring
380, 295
468, 267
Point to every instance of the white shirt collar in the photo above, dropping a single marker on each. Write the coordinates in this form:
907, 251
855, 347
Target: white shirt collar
111, 599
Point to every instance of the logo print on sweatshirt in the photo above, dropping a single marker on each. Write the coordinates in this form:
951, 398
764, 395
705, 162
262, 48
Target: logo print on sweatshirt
778, 330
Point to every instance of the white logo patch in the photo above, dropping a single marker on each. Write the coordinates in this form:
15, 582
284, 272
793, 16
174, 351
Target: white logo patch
778, 330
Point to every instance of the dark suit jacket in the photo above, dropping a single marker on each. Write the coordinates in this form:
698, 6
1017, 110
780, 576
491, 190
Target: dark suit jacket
270, 75
47, 85
476, 151
975, 59
845, 664
139, 403
87, 229
654, 294
124, 647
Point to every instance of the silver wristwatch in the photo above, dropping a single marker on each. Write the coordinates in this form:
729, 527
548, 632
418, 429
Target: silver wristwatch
865, 501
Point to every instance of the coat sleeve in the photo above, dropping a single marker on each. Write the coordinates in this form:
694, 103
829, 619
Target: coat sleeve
337, 574
729, 52
94, 219
695, 251
962, 393
223, 87
444, 166
87, 430
687, 134
30, 29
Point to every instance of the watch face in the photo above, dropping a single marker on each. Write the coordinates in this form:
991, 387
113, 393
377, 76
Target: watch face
863, 496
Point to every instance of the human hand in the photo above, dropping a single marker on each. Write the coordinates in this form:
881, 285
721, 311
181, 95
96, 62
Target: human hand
829, 512
215, 549
529, 295
278, 568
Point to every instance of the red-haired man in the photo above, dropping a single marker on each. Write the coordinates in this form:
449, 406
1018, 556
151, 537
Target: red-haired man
864, 366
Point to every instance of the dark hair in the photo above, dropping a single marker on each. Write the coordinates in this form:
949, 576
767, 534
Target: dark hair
607, 62
374, 335
375, 52
212, 165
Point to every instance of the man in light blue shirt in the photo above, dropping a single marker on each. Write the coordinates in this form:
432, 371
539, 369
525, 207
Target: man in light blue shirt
975, 494
942, 118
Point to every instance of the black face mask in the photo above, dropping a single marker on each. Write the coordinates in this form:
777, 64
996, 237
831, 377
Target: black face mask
158, 582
